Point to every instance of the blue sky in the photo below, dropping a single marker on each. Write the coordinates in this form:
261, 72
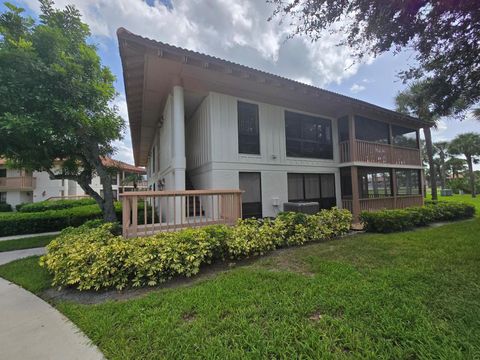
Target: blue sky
238, 30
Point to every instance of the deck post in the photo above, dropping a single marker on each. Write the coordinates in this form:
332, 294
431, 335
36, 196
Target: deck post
394, 187
352, 138
355, 194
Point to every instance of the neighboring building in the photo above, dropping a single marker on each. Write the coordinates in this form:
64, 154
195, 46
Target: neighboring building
19, 186
199, 122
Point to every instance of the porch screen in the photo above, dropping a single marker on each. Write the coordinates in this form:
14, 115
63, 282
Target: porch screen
404, 137
408, 182
308, 136
248, 129
371, 130
312, 187
374, 183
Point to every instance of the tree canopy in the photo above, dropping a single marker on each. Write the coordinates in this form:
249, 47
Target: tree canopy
445, 37
467, 144
56, 98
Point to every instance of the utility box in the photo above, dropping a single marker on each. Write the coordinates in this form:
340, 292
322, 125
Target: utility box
446, 192
302, 207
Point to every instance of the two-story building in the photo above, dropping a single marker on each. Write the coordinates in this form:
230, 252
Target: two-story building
203, 123
20, 186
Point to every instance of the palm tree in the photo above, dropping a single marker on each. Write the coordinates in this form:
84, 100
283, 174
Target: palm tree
456, 166
476, 113
415, 101
441, 149
468, 145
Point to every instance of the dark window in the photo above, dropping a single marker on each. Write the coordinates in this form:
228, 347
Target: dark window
408, 182
404, 137
312, 187
248, 131
374, 183
343, 130
371, 130
3, 172
3, 197
250, 183
308, 136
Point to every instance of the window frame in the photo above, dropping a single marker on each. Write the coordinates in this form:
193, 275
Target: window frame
300, 119
242, 133
321, 199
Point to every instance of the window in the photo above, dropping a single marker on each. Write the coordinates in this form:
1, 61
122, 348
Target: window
3, 172
250, 183
404, 137
312, 187
408, 182
343, 130
371, 130
248, 129
374, 183
3, 197
114, 179
308, 136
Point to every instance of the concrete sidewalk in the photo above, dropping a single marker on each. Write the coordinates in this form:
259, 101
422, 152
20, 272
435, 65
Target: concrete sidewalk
7, 256
31, 329
14, 237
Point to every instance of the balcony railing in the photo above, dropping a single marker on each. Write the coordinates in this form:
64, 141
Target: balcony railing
17, 183
149, 212
380, 203
376, 153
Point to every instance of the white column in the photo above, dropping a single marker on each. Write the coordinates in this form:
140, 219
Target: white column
179, 161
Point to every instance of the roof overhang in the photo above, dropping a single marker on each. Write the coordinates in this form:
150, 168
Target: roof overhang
151, 68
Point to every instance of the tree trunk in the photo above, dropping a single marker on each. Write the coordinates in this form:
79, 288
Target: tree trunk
431, 164
443, 175
471, 174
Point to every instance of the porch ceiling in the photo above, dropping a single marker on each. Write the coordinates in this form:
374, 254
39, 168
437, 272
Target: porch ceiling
151, 68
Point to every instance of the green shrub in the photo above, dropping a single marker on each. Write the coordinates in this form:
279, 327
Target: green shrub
55, 220
5, 207
54, 205
386, 221
92, 257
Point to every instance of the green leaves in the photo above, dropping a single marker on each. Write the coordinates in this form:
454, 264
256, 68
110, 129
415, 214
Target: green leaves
91, 257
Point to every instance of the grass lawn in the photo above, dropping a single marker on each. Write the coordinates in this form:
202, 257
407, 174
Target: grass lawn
26, 243
405, 295
466, 198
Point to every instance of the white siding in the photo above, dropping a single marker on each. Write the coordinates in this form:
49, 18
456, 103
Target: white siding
198, 137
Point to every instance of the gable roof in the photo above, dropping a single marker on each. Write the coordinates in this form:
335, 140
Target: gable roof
139, 54
117, 164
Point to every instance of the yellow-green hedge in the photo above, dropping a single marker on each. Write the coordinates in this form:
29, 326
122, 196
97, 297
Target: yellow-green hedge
90, 257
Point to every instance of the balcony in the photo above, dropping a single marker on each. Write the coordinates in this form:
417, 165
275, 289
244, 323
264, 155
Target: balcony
25, 183
376, 153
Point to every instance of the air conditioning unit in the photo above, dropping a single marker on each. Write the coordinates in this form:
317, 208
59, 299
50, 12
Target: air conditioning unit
303, 207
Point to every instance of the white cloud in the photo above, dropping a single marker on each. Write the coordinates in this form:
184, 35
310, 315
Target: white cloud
234, 29
356, 88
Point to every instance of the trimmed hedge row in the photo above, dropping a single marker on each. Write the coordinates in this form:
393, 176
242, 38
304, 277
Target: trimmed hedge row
386, 221
94, 258
5, 208
54, 205
19, 223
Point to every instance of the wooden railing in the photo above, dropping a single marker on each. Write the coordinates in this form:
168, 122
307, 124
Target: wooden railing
398, 202
20, 182
371, 152
149, 212
347, 204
